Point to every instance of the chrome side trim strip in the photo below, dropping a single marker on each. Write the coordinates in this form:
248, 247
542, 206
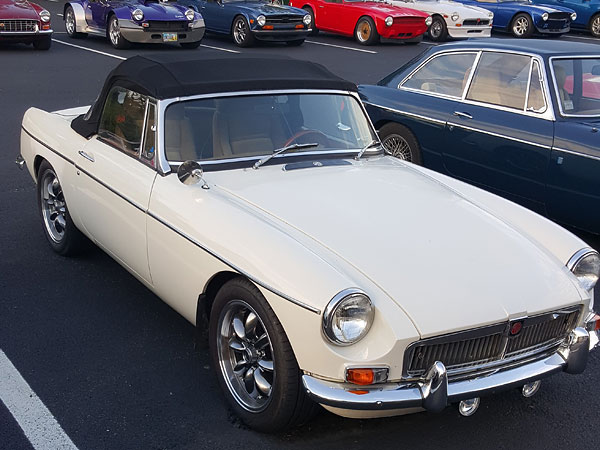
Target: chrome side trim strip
47, 146
406, 113
233, 266
503, 136
571, 152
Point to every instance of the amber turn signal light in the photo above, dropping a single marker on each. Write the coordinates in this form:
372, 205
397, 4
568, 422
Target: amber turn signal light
366, 376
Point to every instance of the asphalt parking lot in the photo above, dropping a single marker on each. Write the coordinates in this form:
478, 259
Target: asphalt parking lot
117, 368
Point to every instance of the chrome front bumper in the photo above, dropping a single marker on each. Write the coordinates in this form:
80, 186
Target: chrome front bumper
435, 392
135, 33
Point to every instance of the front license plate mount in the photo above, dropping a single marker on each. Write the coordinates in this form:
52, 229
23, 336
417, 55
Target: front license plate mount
169, 37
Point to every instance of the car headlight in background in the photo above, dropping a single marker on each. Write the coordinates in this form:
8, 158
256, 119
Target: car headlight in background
348, 317
573, 16
428, 21
585, 265
455, 17
190, 14
307, 20
261, 20
137, 14
389, 20
545, 17
44, 16
491, 15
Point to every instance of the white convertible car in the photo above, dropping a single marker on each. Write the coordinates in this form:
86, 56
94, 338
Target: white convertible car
452, 18
261, 202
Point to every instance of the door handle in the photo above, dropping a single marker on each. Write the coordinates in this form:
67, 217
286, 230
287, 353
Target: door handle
86, 155
463, 115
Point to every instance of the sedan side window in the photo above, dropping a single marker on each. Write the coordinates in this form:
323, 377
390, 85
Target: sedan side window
445, 74
122, 120
501, 79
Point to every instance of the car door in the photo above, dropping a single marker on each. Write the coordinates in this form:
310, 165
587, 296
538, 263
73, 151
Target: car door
95, 13
500, 136
115, 174
216, 16
330, 14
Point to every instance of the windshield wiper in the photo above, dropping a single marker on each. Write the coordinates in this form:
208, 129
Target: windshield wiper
366, 147
281, 150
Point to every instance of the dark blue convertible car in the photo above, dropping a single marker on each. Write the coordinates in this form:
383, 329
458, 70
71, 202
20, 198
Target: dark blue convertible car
518, 118
588, 13
250, 20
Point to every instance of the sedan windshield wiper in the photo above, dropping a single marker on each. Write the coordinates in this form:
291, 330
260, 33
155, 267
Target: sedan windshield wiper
366, 147
281, 150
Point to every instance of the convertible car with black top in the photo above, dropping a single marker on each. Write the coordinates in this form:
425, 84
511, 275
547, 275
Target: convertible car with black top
259, 204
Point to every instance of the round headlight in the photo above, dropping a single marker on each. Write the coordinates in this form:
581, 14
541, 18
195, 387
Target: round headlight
261, 20
389, 20
137, 14
573, 16
190, 14
585, 265
307, 20
44, 16
455, 17
428, 21
545, 17
348, 317
491, 15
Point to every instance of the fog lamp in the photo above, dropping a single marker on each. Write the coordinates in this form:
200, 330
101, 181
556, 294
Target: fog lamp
530, 389
261, 20
468, 407
364, 377
389, 20
44, 16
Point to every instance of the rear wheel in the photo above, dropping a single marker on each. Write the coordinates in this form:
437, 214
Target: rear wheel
521, 26
43, 44
595, 25
71, 24
438, 31
114, 34
240, 32
400, 142
365, 32
313, 26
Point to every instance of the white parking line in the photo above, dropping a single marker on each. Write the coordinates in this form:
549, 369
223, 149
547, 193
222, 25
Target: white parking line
89, 49
36, 421
341, 46
219, 48
428, 43
59, 15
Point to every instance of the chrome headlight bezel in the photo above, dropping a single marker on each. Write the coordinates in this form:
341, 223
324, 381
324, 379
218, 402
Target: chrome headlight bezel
44, 16
261, 20
137, 14
389, 21
345, 299
307, 20
428, 21
573, 17
190, 14
585, 265
545, 16
455, 17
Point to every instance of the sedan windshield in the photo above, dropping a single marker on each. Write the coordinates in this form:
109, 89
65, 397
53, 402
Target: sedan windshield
577, 84
257, 125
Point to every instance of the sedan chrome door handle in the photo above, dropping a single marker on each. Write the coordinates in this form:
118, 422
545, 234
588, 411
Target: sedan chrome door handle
463, 115
86, 155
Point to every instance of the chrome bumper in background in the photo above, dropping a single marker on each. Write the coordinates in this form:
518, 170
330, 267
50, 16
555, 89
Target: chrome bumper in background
435, 392
134, 33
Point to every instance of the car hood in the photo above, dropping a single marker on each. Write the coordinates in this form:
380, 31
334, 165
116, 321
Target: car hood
161, 11
268, 9
446, 7
383, 10
536, 7
447, 263
10, 9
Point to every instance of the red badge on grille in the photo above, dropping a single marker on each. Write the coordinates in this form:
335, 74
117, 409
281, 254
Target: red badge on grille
516, 328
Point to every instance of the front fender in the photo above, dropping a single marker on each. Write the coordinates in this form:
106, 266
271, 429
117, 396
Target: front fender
80, 23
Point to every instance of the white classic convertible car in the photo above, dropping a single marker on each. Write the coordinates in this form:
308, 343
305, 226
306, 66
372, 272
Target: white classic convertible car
329, 273
449, 18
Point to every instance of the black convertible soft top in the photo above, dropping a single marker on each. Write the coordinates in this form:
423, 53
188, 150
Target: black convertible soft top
173, 75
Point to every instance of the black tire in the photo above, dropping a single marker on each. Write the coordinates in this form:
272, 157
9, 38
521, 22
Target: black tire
43, 44
521, 26
365, 31
190, 45
70, 24
438, 31
286, 404
296, 43
116, 40
62, 234
313, 26
594, 25
240, 32
400, 142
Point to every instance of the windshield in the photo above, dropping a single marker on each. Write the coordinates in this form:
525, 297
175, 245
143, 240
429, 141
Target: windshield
577, 84
257, 125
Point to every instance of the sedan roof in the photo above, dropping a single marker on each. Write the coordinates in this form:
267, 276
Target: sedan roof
543, 47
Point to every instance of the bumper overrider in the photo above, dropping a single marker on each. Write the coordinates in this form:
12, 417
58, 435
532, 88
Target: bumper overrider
435, 391
133, 32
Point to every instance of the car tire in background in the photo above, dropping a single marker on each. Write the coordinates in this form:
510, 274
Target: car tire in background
59, 229
521, 26
240, 32
365, 31
400, 142
314, 29
43, 44
71, 24
295, 43
438, 31
114, 34
254, 361
594, 26
190, 45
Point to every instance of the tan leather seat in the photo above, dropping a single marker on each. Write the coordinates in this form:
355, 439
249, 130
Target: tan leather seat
179, 135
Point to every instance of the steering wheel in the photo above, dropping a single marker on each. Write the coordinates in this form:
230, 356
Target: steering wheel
319, 137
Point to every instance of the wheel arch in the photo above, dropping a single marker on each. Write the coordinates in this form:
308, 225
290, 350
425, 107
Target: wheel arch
207, 297
589, 24
239, 14
79, 14
509, 25
37, 162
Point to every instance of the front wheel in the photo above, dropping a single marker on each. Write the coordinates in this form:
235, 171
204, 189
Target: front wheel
254, 361
521, 26
365, 32
190, 45
438, 31
400, 142
43, 44
114, 34
241, 33
71, 24
595, 25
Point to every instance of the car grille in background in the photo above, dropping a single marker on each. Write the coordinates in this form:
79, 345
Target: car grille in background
466, 352
18, 25
475, 22
284, 19
409, 20
163, 25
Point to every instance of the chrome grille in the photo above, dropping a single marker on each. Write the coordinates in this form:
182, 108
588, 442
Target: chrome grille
475, 22
469, 351
17, 25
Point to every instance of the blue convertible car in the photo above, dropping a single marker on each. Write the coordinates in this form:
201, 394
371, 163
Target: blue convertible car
588, 13
250, 20
126, 21
523, 18
520, 119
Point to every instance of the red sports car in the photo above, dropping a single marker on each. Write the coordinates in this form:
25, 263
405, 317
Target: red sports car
366, 20
22, 21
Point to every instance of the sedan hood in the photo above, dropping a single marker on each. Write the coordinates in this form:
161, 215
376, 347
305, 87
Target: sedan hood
446, 262
12, 9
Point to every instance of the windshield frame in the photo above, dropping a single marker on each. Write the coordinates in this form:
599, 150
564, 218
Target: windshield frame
165, 166
555, 86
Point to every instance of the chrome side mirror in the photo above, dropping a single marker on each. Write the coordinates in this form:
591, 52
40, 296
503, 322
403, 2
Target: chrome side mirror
190, 173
